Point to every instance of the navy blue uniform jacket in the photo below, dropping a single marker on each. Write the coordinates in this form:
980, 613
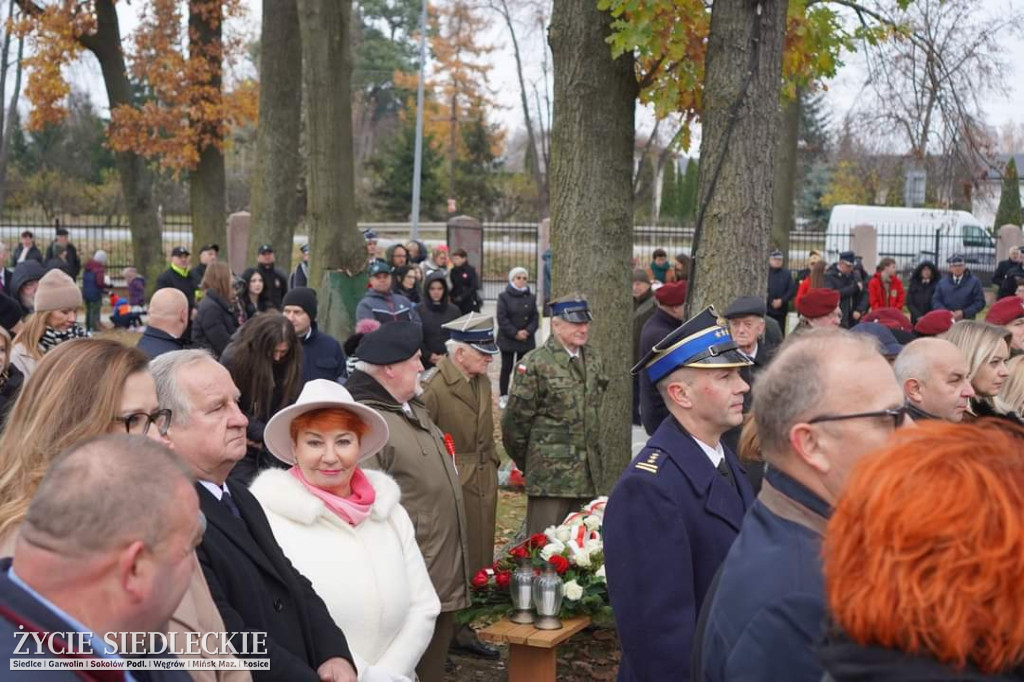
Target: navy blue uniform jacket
967, 296
768, 611
669, 523
322, 357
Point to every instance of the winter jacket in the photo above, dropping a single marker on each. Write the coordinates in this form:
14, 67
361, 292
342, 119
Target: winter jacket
1008, 284
94, 281
851, 297
372, 577
465, 287
275, 285
967, 296
920, 293
11, 313
137, 291
418, 460
322, 357
652, 406
517, 310
156, 342
9, 388
58, 264
70, 255
33, 254
386, 308
300, 277
780, 285
433, 316
171, 278
876, 293
215, 322
29, 271
1002, 270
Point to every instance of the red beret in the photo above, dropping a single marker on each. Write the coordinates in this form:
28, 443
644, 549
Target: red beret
891, 318
934, 323
1005, 310
673, 293
818, 303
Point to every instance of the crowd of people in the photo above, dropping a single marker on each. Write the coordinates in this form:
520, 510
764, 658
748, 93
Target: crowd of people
238, 470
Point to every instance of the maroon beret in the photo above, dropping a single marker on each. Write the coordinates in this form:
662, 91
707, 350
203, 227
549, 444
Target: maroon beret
673, 293
934, 323
818, 303
1005, 310
891, 318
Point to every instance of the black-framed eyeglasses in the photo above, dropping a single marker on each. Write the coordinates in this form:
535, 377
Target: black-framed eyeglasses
898, 415
138, 423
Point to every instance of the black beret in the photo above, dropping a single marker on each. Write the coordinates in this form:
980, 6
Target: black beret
394, 342
746, 305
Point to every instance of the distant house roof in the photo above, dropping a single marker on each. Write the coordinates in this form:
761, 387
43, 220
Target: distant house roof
995, 170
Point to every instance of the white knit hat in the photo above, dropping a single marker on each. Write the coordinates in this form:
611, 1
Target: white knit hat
57, 291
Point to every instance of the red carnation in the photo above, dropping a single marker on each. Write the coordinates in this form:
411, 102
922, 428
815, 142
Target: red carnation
449, 444
480, 580
519, 552
502, 579
538, 540
560, 563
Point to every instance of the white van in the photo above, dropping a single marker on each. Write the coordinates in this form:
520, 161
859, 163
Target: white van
912, 235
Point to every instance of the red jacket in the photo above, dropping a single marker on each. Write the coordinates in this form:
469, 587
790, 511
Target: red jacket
876, 293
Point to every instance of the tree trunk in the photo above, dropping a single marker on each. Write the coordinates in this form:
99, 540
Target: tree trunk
591, 177
737, 150
208, 181
785, 174
135, 175
326, 28
10, 118
275, 184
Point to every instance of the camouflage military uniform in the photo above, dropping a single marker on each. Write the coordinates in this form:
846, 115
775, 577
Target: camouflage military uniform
550, 427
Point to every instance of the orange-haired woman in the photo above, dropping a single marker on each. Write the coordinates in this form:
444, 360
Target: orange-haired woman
924, 559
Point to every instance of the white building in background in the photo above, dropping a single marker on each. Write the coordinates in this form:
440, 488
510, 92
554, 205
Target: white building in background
985, 199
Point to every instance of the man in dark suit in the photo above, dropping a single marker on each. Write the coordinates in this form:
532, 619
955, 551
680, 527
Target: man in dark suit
675, 511
828, 399
253, 584
73, 264
99, 554
26, 250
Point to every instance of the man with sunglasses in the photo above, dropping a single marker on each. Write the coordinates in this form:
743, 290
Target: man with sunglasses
828, 399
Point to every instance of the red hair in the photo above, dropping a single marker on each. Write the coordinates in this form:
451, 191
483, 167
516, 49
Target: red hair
327, 419
925, 551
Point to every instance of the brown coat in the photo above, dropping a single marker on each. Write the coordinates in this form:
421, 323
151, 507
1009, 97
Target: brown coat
462, 407
416, 458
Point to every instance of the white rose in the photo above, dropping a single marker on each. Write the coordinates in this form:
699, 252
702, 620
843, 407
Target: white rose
551, 549
562, 534
551, 533
594, 546
581, 559
573, 591
600, 574
592, 522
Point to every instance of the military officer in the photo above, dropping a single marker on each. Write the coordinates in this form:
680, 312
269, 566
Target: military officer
457, 395
550, 426
675, 511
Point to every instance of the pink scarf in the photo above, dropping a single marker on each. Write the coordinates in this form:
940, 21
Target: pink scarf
352, 509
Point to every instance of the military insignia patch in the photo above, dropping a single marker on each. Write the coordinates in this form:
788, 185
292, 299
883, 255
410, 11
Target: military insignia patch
520, 369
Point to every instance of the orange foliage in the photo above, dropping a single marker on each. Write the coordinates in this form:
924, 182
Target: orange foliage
53, 43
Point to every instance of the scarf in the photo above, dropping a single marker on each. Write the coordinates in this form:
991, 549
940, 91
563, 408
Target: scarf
353, 509
52, 338
660, 270
181, 271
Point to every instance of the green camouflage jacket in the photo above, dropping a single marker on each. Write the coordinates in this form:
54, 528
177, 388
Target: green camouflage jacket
550, 426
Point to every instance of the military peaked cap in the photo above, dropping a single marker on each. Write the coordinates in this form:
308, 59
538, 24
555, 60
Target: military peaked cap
700, 342
475, 330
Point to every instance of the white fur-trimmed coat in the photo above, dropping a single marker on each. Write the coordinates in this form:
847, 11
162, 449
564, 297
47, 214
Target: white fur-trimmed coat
371, 577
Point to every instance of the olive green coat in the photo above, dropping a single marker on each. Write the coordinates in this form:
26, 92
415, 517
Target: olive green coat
550, 427
417, 459
462, 407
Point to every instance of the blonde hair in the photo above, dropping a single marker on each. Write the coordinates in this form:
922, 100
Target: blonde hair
31, 331
8, 344
1011, 397
978, 341
218, 278
74, 394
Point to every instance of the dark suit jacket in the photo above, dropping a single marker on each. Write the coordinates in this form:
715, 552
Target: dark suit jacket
23, 608
669, 523
256, 588
74, 263
156, 342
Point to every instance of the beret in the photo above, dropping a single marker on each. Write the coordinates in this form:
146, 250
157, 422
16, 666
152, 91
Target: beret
934, 323
818, 303
746, 305
891, 318
394, 342
673, 293
1005, 310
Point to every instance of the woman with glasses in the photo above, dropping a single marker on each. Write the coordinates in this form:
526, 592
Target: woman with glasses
986, 348
82, 389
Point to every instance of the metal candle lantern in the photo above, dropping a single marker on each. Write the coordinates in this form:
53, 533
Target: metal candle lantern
548, 592
521, 587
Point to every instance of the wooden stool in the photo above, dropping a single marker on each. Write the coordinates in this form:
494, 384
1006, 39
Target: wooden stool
531, 652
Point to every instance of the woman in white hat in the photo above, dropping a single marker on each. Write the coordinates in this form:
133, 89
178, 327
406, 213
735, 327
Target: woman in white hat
344, 529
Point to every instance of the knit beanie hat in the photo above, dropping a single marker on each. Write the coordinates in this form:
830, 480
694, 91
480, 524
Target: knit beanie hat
100, 256
305, 298
57, 291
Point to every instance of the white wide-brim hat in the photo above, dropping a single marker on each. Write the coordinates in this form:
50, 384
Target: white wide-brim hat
319, 394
